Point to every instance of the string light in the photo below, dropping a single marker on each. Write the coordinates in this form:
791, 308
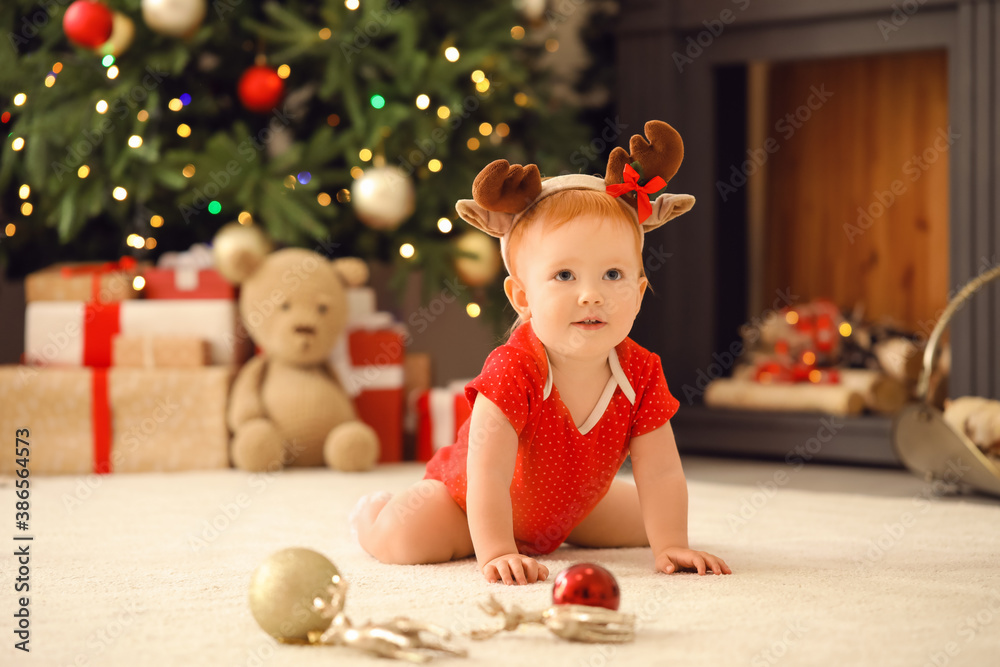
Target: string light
521, 99
185, 99
792, 317
365, 154
517, 32
434, 165
344, 196
113, 72
83, 171
10, 229
245, 218
20, 99
4, 117
451, 54
444, 224
175, 104
485, 129
473, 309
304, 177
156, 221
333, 120
377, 101
845, 330
324, 199
108, 60
27, 208
50, 80
478, 76
119, 193
101, 106
357, 172
138, 283
57, 68
24, 191
352, 4
142, 116
483, 85
407, 250
808, 358
188, 170
17, 144
472, 143
325, 34
184, 130
443, 112
214, 207
815, 375
503, 129
134, 141
552, 45
135, 241
423, 101
289, 182
284, 71
150, 243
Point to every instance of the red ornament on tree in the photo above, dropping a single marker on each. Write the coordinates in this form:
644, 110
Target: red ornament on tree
87, 23
587, 584
260, 88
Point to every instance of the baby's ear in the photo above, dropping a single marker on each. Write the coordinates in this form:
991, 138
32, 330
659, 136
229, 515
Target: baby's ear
353, 271
494, 223
666, 208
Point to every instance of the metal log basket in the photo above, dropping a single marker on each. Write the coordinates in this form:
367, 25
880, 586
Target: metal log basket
925, 442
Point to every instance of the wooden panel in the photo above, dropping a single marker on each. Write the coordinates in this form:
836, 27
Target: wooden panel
857, 190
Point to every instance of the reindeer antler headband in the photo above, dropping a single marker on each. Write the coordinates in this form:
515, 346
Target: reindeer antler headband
502, 193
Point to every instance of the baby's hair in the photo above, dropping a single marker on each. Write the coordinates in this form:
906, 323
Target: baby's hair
562, 208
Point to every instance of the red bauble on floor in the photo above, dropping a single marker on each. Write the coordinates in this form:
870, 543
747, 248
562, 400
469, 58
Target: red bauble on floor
587, 584
87, 23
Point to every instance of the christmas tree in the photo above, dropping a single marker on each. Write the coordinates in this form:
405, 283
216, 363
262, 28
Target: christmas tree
138, 126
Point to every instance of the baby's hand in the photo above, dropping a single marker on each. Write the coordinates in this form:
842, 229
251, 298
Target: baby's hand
515, 569
672, 558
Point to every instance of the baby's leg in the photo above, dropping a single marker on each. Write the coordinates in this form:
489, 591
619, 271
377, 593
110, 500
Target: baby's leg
420, 525
615, 522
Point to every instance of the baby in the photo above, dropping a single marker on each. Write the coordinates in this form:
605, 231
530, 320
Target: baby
557, 408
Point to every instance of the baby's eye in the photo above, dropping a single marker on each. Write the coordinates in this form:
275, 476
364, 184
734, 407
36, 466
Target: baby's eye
613, 274
564, 275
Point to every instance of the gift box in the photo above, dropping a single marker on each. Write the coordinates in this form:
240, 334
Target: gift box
82, 420
75, 333
104, 282
440, 414
159, 352
187, 275
375, 345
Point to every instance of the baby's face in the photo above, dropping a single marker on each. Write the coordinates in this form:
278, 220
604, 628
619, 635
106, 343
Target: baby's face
582, 285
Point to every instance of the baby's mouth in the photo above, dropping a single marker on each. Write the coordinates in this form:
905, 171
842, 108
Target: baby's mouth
304, 329
589, 324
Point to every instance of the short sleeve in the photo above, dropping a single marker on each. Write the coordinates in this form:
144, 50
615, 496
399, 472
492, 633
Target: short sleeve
512, 380
655, 405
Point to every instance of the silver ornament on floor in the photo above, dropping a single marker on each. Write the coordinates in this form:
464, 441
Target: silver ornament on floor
383, 197
174, 18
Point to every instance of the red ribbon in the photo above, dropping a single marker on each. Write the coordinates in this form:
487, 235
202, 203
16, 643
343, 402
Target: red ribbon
96, 271
100, 418
642, 192
101, 323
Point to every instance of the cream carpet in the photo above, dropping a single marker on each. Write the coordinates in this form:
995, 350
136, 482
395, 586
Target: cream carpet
153, 570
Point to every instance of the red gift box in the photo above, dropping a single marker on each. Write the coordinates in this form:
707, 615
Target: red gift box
440, 414
377, 350
186, 283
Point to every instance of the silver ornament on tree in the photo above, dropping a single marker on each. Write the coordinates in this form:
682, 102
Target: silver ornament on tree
383, 197
238, 249
297, 596
174, 18
480, 260
533, 10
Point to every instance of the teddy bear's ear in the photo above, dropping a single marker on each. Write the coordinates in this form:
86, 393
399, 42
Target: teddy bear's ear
238, 251
352, 271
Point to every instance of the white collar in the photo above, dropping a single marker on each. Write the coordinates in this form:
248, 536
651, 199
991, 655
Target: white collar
617, 379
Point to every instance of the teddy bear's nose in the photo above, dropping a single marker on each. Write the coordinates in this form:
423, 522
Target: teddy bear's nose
304, 329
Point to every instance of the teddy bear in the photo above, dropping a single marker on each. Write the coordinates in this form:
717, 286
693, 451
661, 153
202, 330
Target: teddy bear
287, 407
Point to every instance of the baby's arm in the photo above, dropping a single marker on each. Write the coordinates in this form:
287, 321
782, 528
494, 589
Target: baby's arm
663, 497
492, 455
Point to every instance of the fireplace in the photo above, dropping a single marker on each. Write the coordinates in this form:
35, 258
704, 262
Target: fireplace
918, 77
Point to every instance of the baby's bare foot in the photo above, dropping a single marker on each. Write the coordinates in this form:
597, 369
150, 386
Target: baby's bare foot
366, 510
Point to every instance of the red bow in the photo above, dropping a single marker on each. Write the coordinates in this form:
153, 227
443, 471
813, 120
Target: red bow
642, 192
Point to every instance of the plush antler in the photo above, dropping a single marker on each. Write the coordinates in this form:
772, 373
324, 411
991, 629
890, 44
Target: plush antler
660, 156
506, 188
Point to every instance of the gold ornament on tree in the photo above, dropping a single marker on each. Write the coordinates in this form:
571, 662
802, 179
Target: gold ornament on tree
383, 198
238, 249
484, 263
174, 18
297, 596
122, 34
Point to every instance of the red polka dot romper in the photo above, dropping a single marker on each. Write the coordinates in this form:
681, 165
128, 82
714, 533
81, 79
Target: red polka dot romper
562, 471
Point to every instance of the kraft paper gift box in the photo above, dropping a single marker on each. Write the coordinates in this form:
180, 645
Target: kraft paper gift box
441, 411
106, 282
159, 352
372, 375
75, 333
83, 420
